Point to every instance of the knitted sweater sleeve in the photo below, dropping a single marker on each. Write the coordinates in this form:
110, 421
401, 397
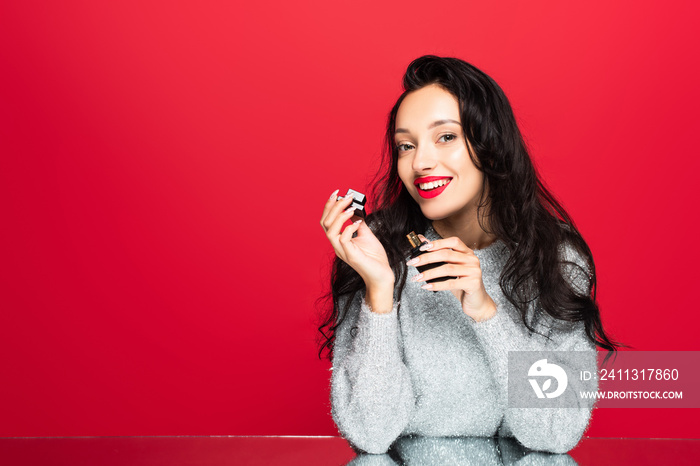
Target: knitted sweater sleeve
371, 391
555, 430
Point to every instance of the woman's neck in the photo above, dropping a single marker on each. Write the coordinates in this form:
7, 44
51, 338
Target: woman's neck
466, 229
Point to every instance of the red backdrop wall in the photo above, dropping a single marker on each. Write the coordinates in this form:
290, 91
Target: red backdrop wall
164, 166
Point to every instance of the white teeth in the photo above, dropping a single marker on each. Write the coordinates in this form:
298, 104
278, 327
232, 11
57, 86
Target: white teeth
433, 184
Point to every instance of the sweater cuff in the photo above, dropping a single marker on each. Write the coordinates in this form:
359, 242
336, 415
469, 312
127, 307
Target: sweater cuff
377, 333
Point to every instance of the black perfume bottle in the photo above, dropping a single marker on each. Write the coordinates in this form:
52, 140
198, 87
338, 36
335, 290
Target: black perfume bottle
415, 252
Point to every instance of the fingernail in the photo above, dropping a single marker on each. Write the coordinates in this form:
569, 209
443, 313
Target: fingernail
426, 246
418, 277
357, 221
334, 193
413, 261
427, 286
349, 209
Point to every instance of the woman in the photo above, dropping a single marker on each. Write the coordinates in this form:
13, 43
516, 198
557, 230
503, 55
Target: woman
411, 357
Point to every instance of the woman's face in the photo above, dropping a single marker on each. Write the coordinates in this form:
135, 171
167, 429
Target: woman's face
434, 162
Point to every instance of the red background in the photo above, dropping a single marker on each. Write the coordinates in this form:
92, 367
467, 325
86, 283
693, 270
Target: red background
164, 166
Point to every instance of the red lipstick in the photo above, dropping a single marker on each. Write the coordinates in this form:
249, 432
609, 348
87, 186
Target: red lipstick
431, 193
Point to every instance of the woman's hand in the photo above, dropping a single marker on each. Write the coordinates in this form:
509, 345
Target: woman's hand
364, 253
462, 263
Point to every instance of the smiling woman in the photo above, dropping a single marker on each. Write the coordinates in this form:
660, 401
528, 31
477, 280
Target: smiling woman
410, 362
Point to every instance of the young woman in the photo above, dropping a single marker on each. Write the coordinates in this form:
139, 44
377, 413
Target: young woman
412, 357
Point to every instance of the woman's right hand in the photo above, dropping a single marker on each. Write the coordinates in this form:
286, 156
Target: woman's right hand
364, 253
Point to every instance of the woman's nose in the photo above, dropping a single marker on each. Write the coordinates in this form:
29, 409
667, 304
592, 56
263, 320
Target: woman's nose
424, 159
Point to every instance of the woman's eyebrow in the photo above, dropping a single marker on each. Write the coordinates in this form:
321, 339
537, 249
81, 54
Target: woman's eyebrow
432, 125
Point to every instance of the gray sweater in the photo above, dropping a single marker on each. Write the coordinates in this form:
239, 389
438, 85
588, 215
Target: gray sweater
431, 370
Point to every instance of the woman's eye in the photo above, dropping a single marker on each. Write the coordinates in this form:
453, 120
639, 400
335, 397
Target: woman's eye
404, 147
447, 138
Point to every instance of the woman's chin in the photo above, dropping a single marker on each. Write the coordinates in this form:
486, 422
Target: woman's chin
433, 215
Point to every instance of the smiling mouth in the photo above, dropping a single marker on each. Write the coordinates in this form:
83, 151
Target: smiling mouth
433, 184
430, 187
427, 183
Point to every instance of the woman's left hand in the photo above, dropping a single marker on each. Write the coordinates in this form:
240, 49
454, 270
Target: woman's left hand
462, 263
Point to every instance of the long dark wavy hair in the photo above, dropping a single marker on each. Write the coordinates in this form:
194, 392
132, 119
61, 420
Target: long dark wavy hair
520, 209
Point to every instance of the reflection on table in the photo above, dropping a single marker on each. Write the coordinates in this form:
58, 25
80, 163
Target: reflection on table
461, 451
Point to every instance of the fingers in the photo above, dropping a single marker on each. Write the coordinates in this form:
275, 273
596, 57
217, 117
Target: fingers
449, 270
332, 208
345, 239
445, 255
329, 204
456, 284
335, 214
340, 219
332, 211
453, 243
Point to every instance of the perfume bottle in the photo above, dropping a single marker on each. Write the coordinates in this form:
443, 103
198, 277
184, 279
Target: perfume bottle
415, 252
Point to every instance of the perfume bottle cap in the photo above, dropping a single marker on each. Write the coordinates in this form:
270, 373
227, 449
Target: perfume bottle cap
358, 202
413, 239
